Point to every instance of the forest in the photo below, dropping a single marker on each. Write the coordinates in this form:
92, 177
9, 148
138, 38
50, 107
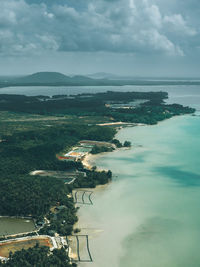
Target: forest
82, 104
150, 112
38, 256
27, 151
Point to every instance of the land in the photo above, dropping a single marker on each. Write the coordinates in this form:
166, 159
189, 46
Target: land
36, 131
84, 108
59, 79
20, 244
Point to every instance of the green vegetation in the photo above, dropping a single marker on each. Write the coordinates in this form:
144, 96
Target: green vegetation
31, 150
100, 149
21, 153
93, 179
38, 256
150, 112
23, 195
62, 221
14, 122
117, 143
127, 144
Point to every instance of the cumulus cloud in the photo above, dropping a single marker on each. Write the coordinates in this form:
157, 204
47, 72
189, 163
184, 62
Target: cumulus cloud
123, 26
176, 23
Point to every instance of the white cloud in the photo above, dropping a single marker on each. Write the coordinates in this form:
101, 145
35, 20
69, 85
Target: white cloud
134, 26
154, 15
49, 15
160, 42
176, 23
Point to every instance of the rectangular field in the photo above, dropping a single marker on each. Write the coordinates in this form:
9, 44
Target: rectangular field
13, 246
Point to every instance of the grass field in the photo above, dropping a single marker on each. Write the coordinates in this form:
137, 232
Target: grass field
11, 122
13, 246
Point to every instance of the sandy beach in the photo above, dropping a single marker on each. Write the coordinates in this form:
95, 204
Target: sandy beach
88, 227
90, 159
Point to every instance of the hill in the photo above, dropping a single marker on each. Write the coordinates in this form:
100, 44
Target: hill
99, 79
52, 78
44, 77
77, 78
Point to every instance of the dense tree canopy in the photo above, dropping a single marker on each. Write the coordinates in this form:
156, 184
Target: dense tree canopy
150, 112
23, 194
38, 257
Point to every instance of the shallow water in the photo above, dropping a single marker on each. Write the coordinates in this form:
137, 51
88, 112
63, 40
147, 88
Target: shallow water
149, 214
9, 226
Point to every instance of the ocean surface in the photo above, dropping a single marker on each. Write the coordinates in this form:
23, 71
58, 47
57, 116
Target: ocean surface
149, 215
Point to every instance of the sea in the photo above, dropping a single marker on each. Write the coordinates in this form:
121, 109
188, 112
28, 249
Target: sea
149, 215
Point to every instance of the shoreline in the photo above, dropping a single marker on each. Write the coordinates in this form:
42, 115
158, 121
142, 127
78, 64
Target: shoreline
82, 224
89, 158
89, 161
86, 161
91, 230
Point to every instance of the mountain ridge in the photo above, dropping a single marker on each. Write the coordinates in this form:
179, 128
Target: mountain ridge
47, 78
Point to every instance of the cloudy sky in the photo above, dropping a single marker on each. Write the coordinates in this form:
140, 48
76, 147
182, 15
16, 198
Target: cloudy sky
129, 37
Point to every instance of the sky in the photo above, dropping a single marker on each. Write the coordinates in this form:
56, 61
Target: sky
127, 37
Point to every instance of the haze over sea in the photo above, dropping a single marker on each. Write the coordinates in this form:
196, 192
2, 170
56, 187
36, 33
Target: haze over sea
149, 215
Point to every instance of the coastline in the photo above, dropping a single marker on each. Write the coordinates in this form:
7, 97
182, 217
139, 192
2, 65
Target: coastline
90, 159
86, 227
82, 224
89, 162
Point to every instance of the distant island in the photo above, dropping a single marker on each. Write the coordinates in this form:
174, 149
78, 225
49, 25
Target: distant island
98, 79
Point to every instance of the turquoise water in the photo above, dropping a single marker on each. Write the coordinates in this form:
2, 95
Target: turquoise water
149, 214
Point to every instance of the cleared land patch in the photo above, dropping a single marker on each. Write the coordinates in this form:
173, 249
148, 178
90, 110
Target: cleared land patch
16, 245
